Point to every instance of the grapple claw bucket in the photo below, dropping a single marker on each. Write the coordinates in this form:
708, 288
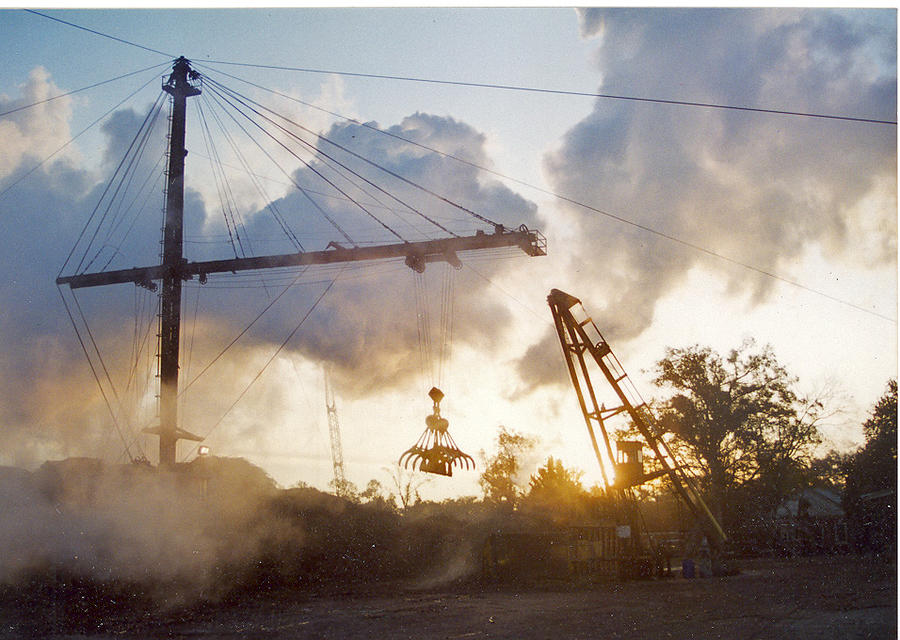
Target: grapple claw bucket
435, 451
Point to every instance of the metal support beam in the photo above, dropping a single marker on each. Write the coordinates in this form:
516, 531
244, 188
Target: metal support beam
416, 253
575, 340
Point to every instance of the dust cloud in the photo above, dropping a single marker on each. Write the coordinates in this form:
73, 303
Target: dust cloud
215, 528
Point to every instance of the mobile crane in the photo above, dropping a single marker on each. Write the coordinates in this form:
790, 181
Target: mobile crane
583, 347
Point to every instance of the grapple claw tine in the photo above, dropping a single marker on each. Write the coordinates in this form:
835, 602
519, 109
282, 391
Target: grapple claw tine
435, 451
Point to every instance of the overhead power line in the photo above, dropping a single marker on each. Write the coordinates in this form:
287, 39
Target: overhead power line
489, 85
642, 227
558, 92
100, 33
74, 91
608, 96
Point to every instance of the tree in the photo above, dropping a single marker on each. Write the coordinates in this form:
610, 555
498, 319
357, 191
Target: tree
407, 483
738, 420
376, 495
343, 488
556, 491
870, 496
553, 479
500, 480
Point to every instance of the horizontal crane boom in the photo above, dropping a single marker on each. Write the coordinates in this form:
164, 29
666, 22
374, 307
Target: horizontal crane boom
417, 254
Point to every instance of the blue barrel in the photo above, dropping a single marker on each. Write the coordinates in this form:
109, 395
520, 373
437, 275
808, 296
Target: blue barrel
687, 568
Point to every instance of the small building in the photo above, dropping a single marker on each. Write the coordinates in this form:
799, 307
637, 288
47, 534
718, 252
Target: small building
811, 521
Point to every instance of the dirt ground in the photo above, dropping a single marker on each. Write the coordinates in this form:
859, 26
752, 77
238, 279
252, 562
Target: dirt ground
837, 597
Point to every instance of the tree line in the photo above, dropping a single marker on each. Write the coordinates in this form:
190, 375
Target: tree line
738, 423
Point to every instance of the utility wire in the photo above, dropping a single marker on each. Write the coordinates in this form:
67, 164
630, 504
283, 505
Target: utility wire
74, 91
608, 96
486, 85
72, 139
557, 92
100, 33
583, 205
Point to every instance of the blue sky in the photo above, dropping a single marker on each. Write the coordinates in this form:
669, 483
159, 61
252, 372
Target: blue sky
811, 200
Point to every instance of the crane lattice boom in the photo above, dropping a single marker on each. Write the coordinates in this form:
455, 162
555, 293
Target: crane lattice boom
582, 344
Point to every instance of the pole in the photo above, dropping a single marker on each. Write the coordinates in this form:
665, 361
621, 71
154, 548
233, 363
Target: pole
173, 233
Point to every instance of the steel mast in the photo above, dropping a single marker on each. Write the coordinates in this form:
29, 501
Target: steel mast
183, 83
180, 88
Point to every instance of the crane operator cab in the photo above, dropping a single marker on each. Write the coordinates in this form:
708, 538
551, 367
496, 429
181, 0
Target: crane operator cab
629, 463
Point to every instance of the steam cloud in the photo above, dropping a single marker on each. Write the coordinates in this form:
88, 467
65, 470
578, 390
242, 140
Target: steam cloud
758, 188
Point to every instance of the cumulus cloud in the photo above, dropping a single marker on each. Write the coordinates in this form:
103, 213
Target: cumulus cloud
758, 188
366, 325
36, 132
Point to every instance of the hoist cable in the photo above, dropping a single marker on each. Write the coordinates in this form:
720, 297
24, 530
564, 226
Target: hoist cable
422, 330
447, 291
434, 352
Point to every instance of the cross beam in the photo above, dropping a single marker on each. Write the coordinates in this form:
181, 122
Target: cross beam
417, 254
175, 269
